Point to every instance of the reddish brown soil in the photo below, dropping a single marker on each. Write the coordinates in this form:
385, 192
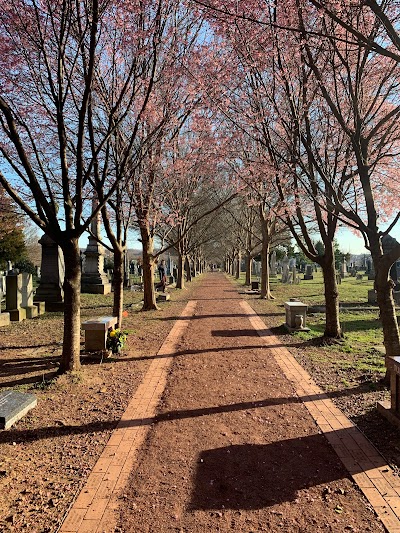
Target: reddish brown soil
232, 448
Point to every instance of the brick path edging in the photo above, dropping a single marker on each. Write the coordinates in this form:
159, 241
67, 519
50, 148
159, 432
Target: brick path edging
95, 508
365, 464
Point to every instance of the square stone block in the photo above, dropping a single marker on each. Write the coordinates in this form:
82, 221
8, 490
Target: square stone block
95, 340
17, 315
4, 319
31, 311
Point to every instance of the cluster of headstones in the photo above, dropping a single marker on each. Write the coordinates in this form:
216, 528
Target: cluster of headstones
18, 290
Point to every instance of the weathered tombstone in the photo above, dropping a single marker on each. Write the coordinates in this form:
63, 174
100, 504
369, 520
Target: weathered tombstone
343, 269
50, 288
164, 297
14, 298
285, 269
272, 272
2, 283
308, 272
371, 273
255, 285
372, 296
13, 406
296, 315
94, 279
4, 317
27, 296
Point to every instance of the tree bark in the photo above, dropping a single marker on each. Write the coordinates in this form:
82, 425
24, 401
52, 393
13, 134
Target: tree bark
149, 295
239, 260
248, 268
180, 282
332, 322
70, 358
119, 269
188, 271
384, 295
266, 238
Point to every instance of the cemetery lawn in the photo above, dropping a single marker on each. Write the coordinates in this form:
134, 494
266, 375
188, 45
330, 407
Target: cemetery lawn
351, 372
46, 457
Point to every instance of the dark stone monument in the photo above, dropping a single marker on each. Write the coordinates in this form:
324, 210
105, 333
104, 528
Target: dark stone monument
13, 406
50, 288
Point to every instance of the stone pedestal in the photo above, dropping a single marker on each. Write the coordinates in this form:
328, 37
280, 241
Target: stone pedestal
94, 279
52, 273
27, 296
96, 331
14, 298
296, 315
391, 410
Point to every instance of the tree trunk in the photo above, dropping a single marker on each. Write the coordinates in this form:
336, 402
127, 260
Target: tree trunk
248, 269
384, 295
332, 322
266, 237
180, 282
70, 358
188, 271
149, 296
119, 262
239, 260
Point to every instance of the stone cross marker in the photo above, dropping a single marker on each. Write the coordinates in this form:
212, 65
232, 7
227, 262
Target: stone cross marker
13, 406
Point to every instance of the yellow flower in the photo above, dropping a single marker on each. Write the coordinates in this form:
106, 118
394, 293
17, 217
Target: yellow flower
112, 333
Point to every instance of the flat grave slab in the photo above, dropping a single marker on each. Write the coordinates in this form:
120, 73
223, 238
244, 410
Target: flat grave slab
13, 406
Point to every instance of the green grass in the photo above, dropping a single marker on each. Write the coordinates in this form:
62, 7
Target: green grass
362, 329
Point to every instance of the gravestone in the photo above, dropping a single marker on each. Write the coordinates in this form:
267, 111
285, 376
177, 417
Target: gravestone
296, 315
273, 272
50, 288
94, 279
2, 283
9, 267
343, 269
255, 285
27, 296
4, 317
308, 272
38, 272
285, 269
13, 406
14, 298
163, 297
371, 273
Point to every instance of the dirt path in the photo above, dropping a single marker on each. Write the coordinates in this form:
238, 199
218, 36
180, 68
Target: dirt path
232, 448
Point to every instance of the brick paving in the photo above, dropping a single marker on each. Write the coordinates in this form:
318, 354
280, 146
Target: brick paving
95, 509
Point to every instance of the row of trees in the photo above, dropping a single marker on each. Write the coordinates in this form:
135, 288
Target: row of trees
166, 110
311, 90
